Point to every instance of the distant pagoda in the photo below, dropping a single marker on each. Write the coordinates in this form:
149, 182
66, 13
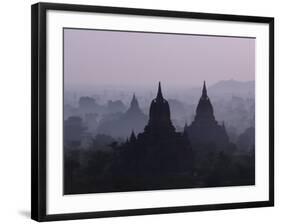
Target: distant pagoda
205, 129
132, 119
134, 109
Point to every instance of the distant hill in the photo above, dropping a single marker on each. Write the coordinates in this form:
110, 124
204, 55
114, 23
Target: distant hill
229, 86
226, 89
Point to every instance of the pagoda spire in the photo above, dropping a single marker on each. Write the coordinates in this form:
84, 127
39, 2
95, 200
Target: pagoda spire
204, 110
204, 90
159, 93
134, 102
159, 115
134, 106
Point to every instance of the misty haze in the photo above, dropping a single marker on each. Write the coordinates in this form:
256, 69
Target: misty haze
146, 111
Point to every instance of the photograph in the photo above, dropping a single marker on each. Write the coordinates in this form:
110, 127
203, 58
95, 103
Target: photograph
157, 111
139, 111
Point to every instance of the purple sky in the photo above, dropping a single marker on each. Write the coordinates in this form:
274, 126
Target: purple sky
142, 59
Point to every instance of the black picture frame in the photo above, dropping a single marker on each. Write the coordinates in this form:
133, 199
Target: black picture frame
39, 122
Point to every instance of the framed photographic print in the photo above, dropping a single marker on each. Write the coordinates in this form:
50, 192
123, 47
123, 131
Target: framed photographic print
140, 111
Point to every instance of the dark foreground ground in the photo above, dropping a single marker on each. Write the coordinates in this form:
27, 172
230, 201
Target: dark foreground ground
100, 172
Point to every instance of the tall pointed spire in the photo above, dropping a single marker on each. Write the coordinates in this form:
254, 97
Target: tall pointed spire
204, 110
159, 93
159, 115
204, 91
134, 102
134, 107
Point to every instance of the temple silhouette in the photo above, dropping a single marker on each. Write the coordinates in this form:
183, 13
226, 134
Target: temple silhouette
159, 149
157, 156
205, 129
